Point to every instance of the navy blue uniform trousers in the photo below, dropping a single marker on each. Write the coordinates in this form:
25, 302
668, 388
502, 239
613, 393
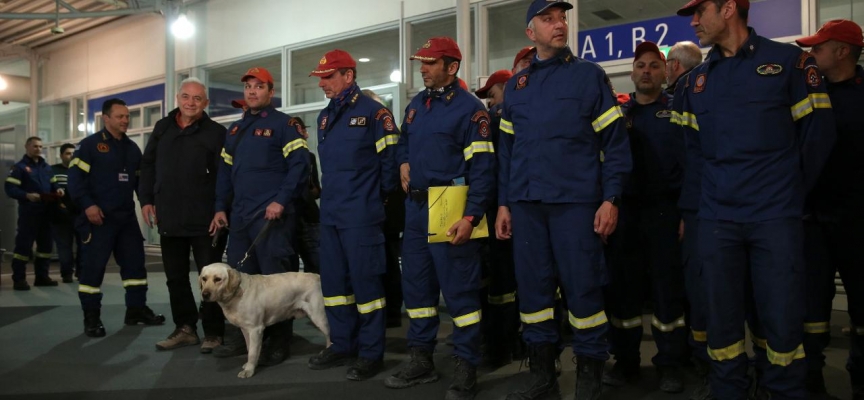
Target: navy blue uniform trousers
773, 251
271, 254
122, 238
430, 268
698, 318
555, 244
32, 227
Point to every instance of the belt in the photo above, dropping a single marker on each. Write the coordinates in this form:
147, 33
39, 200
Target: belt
418, 195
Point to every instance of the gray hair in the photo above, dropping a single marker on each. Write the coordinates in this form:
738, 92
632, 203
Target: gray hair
687, 53
192, 80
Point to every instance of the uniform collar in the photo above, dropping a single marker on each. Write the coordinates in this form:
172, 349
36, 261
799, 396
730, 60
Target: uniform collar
263, 113
107, 135
348, 97
748, 49
565, 56
856, 80
446, 94
29, 161
662, 98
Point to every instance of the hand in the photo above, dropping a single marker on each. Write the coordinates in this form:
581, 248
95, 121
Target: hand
681, 230
34, 197
274, 211
405, 175
220, 220
61, 192
503, 227
148, 212
460, 231
605, 220
94, 215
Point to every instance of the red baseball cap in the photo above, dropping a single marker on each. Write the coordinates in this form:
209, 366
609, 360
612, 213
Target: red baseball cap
690, 8
259, 73
648, 47
500, 76
240, 103
525, 52
841, 30
436, 48
333, 61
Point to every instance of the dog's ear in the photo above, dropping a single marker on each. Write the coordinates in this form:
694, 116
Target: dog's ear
232, 284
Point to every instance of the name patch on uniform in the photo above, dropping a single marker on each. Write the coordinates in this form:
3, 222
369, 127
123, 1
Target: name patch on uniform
813, 77
102, 148
769, 69
700, 83
410, 118
357, 121
123, 177
521, 82
323, 122
482, 119
234, 130
663, 114
258, 132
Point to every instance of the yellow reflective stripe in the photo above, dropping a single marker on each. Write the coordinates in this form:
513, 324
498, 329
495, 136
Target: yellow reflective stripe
815, 327
727, 353
537, 317
685, 120
678, 323
810, 103
88, 289
759, 342
590, 322
820, 100
20, 257
784, 359
53, 179
478, 147
677, 118
13, 181
42, 255
338, 301
626, 323
506, 126
426, 312
227, 157
80, 164
389, 140
607, 118
467, 319
502, 299
700, 336
134, 282
293, 145
373, 305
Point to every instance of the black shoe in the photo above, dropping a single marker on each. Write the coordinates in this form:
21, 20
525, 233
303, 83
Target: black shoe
670, 380
544, 380
421, 369
620, 374
45, 281
496, 355
703, 391
589, 377
364, 369
21, 285
233, 344
273, 354
92, 324
328, 359
761, 394
143, 315
67, 278
464, 386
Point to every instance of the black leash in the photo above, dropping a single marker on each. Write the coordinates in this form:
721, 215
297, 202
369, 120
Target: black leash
254, 242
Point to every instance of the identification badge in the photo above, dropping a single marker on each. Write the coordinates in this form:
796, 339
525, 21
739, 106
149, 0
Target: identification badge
123, 177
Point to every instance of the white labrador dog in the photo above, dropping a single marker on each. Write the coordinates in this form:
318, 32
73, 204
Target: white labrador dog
253, 302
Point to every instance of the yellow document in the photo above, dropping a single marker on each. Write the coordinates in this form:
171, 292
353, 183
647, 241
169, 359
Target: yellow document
446, 207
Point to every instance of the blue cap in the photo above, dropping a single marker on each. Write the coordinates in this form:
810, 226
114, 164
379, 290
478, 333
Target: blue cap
538, 6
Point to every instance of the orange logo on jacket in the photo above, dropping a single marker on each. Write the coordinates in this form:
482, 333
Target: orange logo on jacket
102, 148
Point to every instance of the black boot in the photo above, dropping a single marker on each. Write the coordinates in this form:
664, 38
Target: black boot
233, 344
589, 377
621, 373
464, 385
544, 380
142, 315
703, 390
328, 358
92, 324
421, 369
277, 347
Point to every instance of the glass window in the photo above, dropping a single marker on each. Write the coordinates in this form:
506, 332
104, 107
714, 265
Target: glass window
134, 118
54, 122
836, 9
14, 117
377, 56
506, 35
423, 30
81, 129
224, 83
152, 114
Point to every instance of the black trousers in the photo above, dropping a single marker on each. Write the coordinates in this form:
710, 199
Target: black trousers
175, 257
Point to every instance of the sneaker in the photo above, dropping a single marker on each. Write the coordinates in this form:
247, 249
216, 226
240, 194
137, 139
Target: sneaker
21, 285
364, 369
421, 369
464, 386
44, 281
182, 336
327, 358
210, 343
143, 315
671, 380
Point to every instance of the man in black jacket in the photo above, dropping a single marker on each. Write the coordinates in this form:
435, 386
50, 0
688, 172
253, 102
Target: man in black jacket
178, 193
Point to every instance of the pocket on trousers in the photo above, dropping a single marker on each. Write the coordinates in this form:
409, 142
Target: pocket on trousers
372, 254
465, 261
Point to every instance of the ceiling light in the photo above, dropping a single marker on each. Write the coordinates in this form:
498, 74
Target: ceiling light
3, 84
396, 76
364, 59
182, 28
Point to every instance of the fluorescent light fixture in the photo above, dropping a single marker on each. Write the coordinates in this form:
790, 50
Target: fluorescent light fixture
3, 84
396, 76
182, 28
364, 59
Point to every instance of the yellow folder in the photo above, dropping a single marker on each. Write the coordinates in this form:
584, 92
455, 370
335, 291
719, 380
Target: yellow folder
446, 207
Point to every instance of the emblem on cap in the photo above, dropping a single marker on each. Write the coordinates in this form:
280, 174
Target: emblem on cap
254, 71
323, 60
769, 69
428, 44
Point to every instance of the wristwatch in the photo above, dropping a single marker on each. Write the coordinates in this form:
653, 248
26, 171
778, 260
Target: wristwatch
615, 201
473, 220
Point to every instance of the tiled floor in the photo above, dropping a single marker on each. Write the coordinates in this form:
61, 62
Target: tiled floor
45, 355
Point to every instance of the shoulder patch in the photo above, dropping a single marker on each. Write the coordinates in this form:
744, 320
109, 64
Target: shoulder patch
814, 79
802, 59
482, 119
410, 118
479, 115
381, 113
301, 130
521, 82
323, 124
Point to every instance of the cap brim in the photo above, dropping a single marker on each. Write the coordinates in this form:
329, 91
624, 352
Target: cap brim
483, 92
689, 8
323, 74
563, 4
811, 41
424, 56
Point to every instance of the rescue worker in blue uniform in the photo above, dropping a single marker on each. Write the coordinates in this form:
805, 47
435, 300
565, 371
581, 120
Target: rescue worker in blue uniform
500, 310
357, 139
30, 182
564, 159
265, 167
645, 246
445, 141
761, 155
833, 225
102, 182
63, 218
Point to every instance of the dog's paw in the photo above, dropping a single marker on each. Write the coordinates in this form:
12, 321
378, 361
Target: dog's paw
246, 373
